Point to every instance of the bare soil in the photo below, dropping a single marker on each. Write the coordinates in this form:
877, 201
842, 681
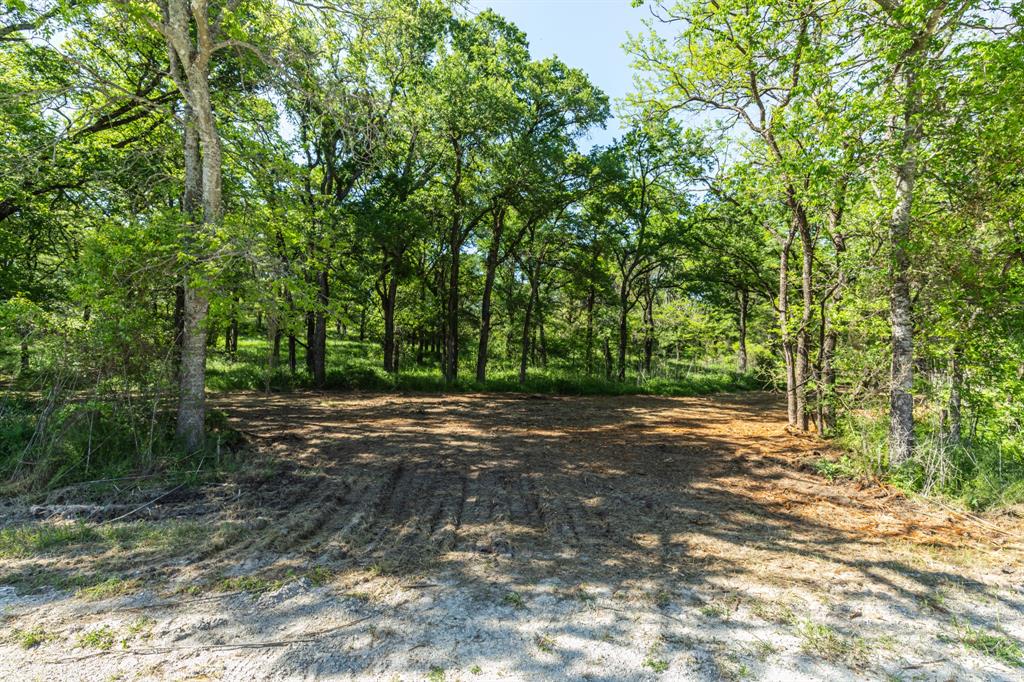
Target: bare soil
523, 537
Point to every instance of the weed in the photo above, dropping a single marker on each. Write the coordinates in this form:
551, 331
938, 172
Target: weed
996, 645
435, 674
111, 587
840, 468
192, 590
384, 568
934, 601
658, 665
581, 594
514, 599
763, 649
714, 610
319, 575
476, 670
732, 669
652, 660
140, 626
359, 596
830, 644
544, 643
248, 583
773, 612
661, 598
102, 638
33, 637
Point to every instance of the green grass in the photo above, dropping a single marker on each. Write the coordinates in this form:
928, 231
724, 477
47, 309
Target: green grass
844, 467
248, 583
102, 638
514, 599
19, 542
103, 441
319, 575
544, 642
830, 644
31, 638
356, 365
653, 661
981, 473
657, 665
139, 537
111, 587
992, 644
773, 611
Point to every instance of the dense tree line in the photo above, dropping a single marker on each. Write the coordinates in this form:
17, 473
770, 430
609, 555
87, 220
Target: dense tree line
826, 194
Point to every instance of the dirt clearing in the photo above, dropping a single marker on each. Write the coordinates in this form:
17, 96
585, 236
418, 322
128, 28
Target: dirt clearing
514, 537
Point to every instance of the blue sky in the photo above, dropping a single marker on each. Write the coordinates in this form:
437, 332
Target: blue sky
587, 34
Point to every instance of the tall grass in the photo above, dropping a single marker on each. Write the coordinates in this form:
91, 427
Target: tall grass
983, 470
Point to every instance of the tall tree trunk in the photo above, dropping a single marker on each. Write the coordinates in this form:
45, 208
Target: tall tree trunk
24, 352
786, 337
648, 329
191, 203
451, 366
607, 359
493, 252
744, 306
292, 360
273, 352
803, 340
954, 405
623, 330
310, 333
388, 295
589, 353
231, 339
825, 412
318, 349
542, 347
190, 67
527, 321
179, 327
901, 400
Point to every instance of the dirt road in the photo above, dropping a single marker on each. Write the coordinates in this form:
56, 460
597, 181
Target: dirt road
516, 537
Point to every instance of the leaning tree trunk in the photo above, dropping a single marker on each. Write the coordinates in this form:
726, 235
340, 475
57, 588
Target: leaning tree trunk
901, 400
